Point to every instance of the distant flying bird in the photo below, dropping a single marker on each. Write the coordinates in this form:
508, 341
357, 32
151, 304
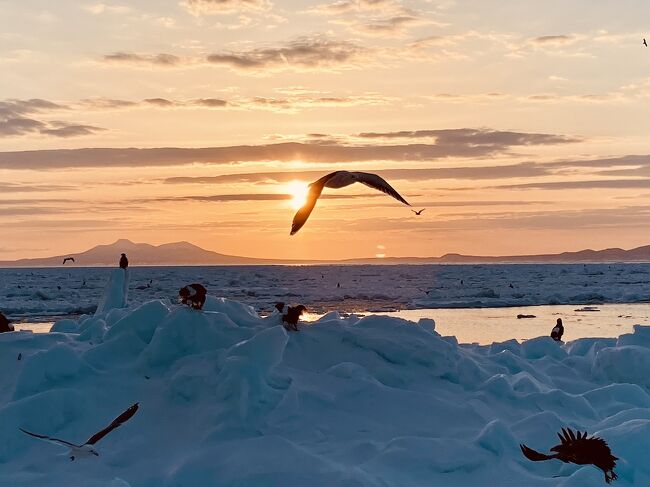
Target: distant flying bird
645, 43
578, 449
418, 212
336, 180
67, 259
124, 262
86, 450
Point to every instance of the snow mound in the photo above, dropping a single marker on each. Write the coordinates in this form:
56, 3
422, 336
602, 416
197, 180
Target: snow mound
228, 398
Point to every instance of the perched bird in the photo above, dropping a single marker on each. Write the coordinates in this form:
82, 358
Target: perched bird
124, 262
578, 449
557, 331
193, 295
418, 212
335, 180
67, 259
5, 324
86, 450
290, 315
645, 43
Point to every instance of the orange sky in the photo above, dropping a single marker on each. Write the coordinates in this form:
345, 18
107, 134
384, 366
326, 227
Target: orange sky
520, 127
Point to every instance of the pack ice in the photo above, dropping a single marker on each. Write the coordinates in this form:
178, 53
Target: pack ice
231, 399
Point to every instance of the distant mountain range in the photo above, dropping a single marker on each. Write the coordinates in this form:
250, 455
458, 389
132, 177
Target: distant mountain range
185, 253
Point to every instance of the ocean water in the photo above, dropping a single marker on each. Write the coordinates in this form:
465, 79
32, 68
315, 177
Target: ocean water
476, 303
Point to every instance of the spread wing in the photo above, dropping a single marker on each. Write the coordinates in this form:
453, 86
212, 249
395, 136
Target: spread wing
300, 218
122, 418
50, 439
376, 182
533, 455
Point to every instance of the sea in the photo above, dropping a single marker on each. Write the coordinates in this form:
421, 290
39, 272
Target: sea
474, 303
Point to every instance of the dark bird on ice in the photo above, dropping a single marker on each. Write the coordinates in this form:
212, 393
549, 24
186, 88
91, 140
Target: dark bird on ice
5, 324
86, 450
557, 331
577, 448
419, 212
645, 43
124, 262
67, 259
290, 315
336, 180
193, 295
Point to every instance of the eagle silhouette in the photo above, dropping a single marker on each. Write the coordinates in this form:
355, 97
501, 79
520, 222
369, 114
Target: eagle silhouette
577, 448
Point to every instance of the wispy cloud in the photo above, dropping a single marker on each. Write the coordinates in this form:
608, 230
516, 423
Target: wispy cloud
17, 118
305, 53
161, 60
214, 7
443, 144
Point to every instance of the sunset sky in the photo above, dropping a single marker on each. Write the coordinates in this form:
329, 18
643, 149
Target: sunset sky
521, 126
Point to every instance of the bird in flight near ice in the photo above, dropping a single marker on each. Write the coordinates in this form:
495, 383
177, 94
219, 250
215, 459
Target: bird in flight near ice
86, 450
419, 212
645, 43
336, 180
67, 259
577, 448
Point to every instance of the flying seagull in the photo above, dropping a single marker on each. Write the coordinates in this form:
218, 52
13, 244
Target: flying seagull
336, 180
577, 448
86, 450
645, 43
67, 259
418, 212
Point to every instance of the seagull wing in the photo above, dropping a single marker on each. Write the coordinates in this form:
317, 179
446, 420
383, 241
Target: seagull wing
50, 439
300, 218
376, 182
533, 455
122, 418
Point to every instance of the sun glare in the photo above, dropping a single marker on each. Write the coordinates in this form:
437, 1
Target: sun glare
299, 191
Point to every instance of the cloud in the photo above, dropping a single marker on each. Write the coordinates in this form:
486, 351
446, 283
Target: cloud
527, 169
472, 143
291, 103
31, 188
585, 184
478, 137
17, 119
346, 6
305, 53
251, 197
161, 60
213, 7
555, 39
101, 8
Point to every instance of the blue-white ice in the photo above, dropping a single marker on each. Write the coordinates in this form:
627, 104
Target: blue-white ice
232, 399
34, 293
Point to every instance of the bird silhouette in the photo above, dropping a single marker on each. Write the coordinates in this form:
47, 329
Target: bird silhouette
577, 448
645, 43
418, 212
86, 450
336, 180
67, 259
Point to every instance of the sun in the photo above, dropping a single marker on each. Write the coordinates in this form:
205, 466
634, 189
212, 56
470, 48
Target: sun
298, 190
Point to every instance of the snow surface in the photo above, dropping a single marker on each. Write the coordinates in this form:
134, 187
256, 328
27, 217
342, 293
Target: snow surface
33, 293
231, 399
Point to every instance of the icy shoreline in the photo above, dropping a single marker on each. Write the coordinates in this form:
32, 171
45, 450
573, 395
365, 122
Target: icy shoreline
35, 293
231, 399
